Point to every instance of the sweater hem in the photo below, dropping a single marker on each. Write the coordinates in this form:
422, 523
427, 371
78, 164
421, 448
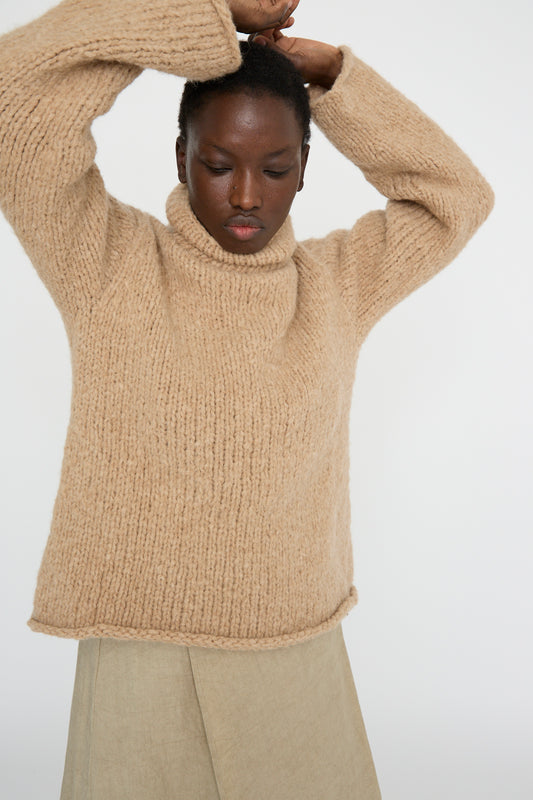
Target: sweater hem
199, 639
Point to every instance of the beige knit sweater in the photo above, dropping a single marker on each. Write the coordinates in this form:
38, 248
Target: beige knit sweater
204, 495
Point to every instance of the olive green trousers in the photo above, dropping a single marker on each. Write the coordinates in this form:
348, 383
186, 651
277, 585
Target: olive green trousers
164, 721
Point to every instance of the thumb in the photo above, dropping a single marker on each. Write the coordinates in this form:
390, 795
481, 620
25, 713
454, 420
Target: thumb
263, 38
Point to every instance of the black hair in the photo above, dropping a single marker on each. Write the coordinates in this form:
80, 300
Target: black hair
262, 71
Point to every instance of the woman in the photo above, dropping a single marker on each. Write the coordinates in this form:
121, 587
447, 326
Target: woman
200, 547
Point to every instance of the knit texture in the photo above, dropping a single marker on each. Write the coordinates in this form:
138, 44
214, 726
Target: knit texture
204, 492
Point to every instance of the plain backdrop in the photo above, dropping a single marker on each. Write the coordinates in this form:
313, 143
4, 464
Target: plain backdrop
441, 438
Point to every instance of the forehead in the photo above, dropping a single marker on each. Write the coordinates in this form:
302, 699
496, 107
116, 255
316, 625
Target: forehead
246, 120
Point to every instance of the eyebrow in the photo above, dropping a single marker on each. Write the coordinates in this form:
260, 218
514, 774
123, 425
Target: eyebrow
280, 152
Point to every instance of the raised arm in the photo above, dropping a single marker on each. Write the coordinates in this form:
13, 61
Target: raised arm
57, 74
436, 196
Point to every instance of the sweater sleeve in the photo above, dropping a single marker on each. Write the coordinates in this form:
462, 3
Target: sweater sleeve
436, 197
57, 74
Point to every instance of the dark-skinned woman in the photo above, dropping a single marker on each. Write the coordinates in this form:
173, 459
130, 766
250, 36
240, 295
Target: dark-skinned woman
200, 548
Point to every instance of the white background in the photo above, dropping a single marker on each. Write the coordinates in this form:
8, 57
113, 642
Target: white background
441, 447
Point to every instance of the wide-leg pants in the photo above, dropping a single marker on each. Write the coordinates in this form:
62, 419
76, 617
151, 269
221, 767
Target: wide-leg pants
164, 721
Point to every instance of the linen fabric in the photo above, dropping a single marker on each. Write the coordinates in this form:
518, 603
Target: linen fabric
204, 491
153, 720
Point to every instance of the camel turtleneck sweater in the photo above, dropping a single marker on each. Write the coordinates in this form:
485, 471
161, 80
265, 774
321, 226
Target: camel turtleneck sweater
203, 496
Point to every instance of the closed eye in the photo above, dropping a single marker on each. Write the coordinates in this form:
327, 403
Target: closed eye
276, 173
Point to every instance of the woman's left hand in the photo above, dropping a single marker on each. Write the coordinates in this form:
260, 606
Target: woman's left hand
317, 62
258, 15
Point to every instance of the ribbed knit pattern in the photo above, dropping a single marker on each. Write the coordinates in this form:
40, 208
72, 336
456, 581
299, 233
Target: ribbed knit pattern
204, 493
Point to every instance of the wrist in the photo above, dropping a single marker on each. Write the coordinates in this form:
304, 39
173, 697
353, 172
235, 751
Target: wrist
233, 12
332, 68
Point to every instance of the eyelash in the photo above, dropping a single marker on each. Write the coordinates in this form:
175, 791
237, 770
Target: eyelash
271, 172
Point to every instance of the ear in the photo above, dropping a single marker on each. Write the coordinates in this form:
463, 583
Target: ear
181, 159
305, 156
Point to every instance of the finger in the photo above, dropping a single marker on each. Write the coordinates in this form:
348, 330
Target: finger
280, 43
266, 34
288, 23
288, 11
262, 40
270, 28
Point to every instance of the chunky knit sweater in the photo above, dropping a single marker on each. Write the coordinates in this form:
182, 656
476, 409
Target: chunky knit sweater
204, 494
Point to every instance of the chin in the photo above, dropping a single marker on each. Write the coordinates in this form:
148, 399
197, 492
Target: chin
248, 248
245, 248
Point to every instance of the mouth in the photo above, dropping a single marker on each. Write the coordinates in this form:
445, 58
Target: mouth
244, 228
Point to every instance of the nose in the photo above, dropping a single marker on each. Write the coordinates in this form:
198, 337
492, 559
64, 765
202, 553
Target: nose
246, 191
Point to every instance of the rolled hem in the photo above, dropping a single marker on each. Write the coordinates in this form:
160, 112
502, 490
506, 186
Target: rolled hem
199, 639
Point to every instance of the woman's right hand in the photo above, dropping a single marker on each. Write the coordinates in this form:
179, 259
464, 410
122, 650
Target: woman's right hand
317, 62
251, 16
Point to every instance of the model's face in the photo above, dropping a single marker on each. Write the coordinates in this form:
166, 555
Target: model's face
243, 163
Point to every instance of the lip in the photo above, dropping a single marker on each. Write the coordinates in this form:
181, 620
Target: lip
244, 227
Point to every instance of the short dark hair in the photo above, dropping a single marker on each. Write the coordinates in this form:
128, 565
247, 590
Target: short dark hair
262, 71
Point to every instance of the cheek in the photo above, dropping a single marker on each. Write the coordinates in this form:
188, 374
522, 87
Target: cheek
211, 194
280, 197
